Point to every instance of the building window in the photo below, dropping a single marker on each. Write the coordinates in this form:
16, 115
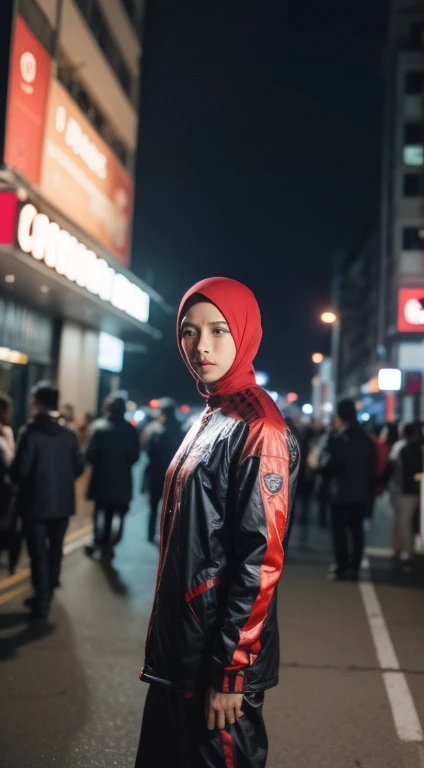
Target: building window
414, 133
414, 83
413, 150
413, 239
94, 17
416, 35
413, 185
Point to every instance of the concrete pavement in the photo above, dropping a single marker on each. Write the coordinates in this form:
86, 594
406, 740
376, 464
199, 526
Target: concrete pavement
71, 696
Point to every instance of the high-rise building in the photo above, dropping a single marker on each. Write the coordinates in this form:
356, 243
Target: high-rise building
381, 283
68, 140
401, 274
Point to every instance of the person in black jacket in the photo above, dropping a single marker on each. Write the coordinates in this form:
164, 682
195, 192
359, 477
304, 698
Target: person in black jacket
212, 647
411, 464
112, 450
161, 449
348, 462
47, 463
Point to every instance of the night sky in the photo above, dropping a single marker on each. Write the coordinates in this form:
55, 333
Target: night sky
259, 155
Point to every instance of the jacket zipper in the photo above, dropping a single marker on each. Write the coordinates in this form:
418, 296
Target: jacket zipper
171, 491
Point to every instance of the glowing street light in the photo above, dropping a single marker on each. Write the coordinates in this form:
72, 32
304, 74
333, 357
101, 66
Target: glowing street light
292, 397
317, 358
329, 317
307, 409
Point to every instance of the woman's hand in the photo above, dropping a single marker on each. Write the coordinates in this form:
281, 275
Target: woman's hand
222, 708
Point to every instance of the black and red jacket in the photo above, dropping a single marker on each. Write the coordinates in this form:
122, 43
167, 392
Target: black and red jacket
227, 505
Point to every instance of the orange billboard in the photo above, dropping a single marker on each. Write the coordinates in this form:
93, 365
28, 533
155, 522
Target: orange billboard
82, 177
27, 100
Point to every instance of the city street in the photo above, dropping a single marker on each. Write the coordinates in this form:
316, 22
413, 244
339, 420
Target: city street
71, 697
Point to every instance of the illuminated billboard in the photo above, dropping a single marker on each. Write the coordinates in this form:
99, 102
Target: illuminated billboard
411, 310
27, 101
82, 177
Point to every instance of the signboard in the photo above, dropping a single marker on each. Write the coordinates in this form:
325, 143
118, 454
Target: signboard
82, 178
46, 241
27, 100
411, 310
111, 353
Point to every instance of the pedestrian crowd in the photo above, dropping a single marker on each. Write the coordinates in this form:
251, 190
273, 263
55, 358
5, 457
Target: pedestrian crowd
38, 474
345, 468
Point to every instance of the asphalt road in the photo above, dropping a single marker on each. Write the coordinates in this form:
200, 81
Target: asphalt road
71, 698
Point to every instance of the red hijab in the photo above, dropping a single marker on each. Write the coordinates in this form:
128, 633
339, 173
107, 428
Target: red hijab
241, 311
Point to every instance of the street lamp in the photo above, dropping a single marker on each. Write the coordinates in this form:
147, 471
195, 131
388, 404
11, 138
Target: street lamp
317, 358
329, 317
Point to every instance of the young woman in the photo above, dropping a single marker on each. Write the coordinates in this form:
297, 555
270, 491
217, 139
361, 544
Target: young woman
212, 646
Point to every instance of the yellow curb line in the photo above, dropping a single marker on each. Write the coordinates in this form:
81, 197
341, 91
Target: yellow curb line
24, 574
14, 593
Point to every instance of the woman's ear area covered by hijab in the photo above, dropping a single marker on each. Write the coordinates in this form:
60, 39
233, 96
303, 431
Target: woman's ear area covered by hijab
239, 308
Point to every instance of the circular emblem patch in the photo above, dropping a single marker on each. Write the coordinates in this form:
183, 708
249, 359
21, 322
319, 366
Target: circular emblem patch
273, 482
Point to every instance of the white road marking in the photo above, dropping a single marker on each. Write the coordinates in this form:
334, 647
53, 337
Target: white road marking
407, 724
68, 548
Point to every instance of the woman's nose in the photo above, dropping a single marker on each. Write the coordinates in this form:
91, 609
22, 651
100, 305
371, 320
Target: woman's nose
203, 345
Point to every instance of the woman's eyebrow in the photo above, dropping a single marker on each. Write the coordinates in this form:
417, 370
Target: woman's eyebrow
218, 322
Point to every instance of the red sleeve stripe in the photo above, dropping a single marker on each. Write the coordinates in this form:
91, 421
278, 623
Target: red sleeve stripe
238, 688
228, 749
226, 684
275, 510
209, 584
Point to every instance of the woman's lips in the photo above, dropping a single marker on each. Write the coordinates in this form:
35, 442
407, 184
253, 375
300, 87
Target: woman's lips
203, 364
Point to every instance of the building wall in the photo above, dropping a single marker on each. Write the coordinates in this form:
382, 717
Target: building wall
78, 374
95, 72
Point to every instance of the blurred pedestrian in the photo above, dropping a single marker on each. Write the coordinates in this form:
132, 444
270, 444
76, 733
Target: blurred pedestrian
10, 525
47, 463
67, 413
212, 646
85, 427
348, 461
411, 467
306, 481
112, 450
161, 449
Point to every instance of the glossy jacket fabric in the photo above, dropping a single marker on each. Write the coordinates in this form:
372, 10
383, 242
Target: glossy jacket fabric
226, 512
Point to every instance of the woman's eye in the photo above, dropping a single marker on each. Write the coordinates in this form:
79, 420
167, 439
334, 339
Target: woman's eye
187, 332
219, 331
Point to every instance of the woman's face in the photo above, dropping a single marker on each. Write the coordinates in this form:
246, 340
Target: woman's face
207, 342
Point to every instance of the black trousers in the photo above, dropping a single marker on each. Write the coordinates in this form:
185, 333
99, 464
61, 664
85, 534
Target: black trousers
103, 520
348, 519
174, 734
45, 543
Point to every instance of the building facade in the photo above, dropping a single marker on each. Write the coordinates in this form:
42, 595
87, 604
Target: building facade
401, 314
381, 296
69, 128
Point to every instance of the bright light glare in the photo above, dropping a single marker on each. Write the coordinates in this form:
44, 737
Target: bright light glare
365, 417
328, 407
328, 317
307, 409
389, 379
292, 397
317, 358
273, 395
154, 403
139, 416
262, 378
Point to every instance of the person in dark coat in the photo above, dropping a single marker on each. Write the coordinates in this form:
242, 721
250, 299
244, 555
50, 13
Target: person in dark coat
48, 461
161, 449
112, 450
348, 462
